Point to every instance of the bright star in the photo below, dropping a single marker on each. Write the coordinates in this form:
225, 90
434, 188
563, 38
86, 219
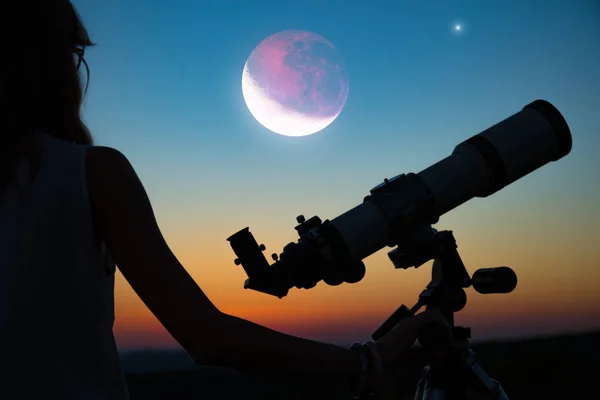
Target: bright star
457, 27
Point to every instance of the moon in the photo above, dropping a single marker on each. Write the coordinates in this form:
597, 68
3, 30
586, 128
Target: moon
295, 83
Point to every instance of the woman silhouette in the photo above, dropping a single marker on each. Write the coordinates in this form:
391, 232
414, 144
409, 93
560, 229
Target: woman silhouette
68, 209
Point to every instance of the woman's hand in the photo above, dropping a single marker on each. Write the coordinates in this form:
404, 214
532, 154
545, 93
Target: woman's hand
402, 336
397, 341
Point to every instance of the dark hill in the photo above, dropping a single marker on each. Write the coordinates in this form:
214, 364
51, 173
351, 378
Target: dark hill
562, 368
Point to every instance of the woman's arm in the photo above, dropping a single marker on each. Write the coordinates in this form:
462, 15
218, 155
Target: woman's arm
125, 220
263, 350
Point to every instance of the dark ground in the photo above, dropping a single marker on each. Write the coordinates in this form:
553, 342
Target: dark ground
565, 368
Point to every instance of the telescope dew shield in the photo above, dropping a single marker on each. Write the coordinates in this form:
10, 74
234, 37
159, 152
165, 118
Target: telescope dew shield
498, 156
478, 167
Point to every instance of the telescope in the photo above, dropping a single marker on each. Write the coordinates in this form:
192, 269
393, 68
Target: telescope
400, 211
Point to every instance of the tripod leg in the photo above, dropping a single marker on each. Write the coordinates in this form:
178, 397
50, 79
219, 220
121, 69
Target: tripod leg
434, 394
483, 381
498, 391
421, 386
430, 386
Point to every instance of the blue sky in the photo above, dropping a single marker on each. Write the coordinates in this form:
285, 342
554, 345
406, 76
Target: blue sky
166, 91
166, 82
178, 64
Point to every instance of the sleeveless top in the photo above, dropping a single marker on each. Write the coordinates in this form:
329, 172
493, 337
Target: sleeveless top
56, 286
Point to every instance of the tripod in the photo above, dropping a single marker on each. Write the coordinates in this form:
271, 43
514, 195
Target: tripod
455, 368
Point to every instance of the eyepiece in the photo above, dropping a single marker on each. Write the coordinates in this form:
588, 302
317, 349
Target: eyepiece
249, 253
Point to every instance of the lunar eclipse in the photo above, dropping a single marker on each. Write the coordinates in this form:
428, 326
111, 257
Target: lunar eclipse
295, 83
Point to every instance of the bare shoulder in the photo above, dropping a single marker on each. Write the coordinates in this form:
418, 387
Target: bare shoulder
116, 193
119, 202
109, 171
104, 152
100, 159
123, 215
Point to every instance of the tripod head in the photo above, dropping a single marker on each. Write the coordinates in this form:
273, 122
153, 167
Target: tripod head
449, 377
449, 279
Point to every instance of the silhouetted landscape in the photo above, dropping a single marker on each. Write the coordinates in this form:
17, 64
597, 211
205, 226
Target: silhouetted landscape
561, 367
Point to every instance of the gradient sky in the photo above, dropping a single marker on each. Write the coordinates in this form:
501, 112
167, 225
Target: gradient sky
166, 91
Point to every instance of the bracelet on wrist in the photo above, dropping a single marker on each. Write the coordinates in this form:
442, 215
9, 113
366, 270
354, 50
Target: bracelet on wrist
377, 371
365, 386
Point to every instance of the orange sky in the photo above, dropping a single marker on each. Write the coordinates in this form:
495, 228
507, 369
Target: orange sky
557, 289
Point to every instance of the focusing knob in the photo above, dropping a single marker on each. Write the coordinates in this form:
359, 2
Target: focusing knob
300, 219
274, 256
237, 261
494, 280
262, 247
